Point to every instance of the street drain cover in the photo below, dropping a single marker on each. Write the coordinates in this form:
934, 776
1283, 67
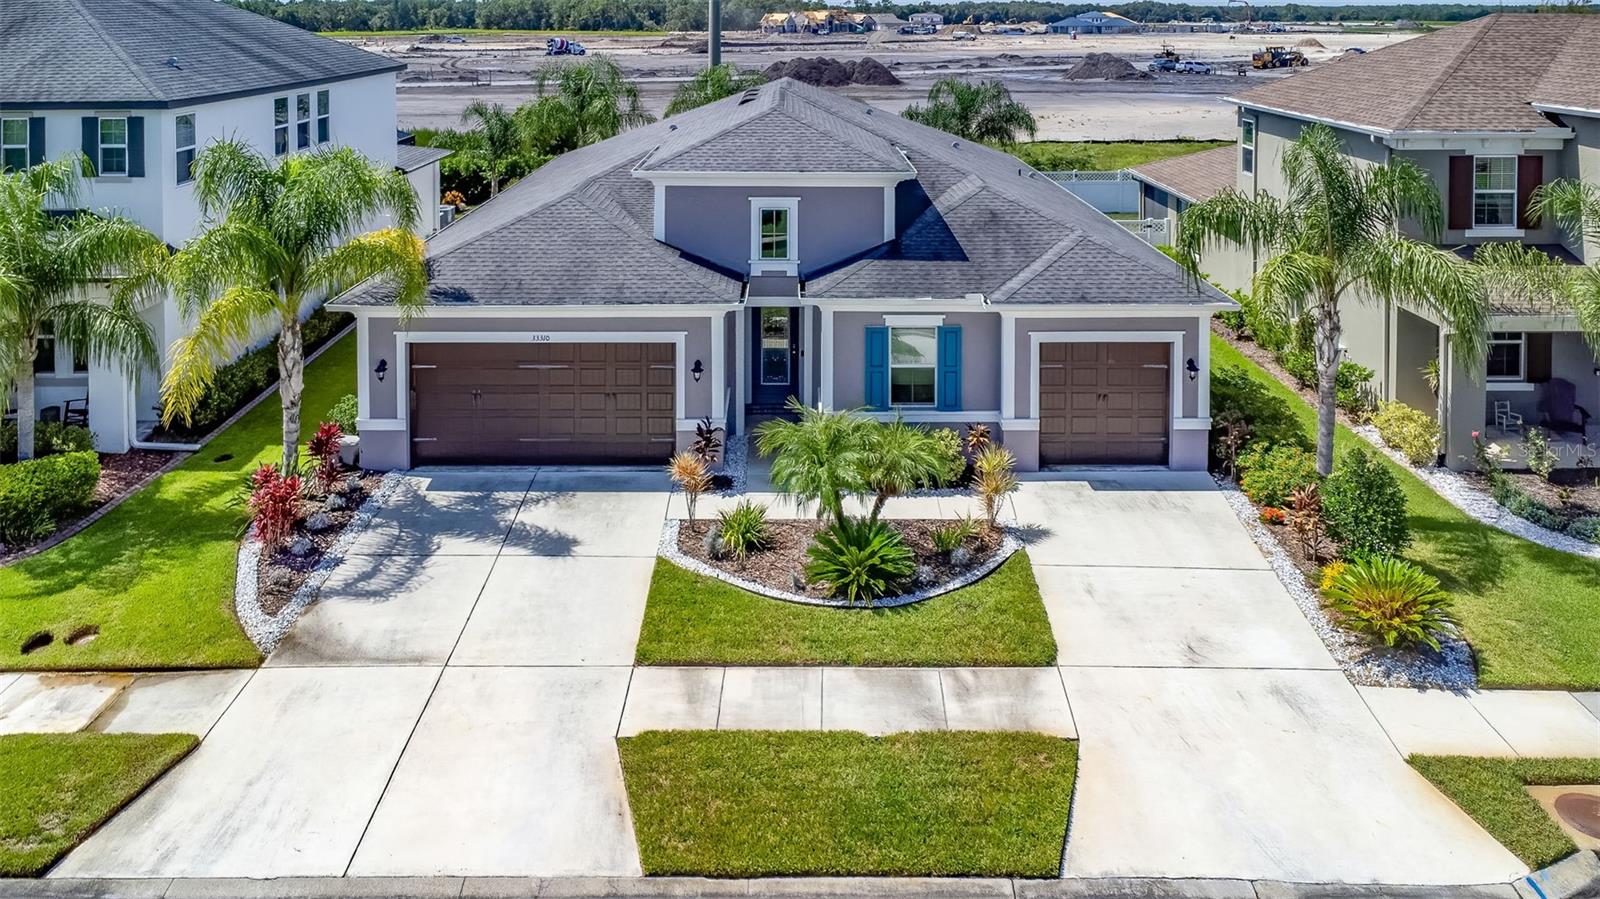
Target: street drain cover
1581, 812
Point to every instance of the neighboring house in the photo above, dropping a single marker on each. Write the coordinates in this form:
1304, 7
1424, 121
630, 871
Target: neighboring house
1491, 109
926, 19
1169, 186
1103, 22
784, 242
141, 87
780, 23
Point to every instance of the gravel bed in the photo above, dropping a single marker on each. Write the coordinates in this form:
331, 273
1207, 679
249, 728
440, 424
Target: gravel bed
1464, 495
1450, 669
736, 463
266, 630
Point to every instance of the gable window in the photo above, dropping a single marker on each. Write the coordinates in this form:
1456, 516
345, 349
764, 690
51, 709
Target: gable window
302, 121
324, 118
44, 359
280, 126
774, 234
1508, 353
114, 146
13, 144
773, 238
1247, 145
185, 147
1494, 191
913, 361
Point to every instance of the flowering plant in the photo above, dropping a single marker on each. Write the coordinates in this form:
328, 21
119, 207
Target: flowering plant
274, 505
1273, 515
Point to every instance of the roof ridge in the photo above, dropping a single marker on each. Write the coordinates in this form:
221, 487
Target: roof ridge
1425, 96
1037, 266
116, 49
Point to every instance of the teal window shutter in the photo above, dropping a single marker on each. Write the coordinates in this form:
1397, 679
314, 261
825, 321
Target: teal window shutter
950, 368
91, 141
35, 140
878, 367
136, 146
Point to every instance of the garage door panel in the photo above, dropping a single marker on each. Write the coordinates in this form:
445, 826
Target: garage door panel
1107, 403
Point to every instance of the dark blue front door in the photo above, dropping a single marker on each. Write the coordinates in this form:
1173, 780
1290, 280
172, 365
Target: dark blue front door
776, 355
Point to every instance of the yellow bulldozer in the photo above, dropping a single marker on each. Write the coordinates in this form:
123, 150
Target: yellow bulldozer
1277, 58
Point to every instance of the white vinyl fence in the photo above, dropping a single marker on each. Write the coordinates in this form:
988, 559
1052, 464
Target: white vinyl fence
1151, 231
1106, 191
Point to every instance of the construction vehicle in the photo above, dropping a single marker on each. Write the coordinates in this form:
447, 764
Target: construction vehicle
1277, 58
560, 46
1168, 53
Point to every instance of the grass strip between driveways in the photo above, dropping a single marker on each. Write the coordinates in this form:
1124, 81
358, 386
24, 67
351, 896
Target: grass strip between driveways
55, 789
775, 803
1528, 611
1104, 156
156, 574
1491, 791
691, 619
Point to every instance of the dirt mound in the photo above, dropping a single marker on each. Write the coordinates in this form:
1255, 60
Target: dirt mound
1310, 43
825, 72
870, 71
1106, 67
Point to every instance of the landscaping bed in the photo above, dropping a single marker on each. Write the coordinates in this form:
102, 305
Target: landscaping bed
795, 803
1493, 792
323, 518
121, 474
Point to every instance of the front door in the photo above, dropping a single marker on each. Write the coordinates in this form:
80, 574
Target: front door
776, 356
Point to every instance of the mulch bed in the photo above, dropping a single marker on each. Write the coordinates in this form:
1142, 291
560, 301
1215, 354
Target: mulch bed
785, 558
281, 573
1574, 494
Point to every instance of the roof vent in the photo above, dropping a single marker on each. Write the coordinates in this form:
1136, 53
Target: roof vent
172, 63
749, 95
955, 145
673, 127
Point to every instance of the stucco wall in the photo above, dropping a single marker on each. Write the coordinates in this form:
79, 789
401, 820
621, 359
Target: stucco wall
1416, 343
980, 357
834, 222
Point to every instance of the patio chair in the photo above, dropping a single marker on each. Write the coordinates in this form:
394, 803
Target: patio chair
1559, 410
1504, 419
76, 412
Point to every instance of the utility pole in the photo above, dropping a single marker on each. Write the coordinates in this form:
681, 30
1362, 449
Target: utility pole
714, 26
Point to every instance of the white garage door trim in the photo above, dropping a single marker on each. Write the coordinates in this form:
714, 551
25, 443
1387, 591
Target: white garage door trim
1175, 366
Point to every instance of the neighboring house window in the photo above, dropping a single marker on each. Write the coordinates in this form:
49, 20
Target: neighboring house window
774, 234
324, 119
280, 126
13, 144
44, 359
1508, 352
185, 144
114, 146
913, 360
80, 363
1494, 191
302, 120
1247, 145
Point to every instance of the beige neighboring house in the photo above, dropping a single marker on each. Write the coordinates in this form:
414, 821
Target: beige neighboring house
1491, 109
779, 23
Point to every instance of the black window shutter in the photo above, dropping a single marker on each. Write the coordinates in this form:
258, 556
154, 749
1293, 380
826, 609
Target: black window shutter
136, 146
91, 141
36, 140
1460, 194
1530, 174
1539, 352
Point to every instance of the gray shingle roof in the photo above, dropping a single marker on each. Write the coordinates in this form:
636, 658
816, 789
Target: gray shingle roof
409, 157
61, 53
1194, 176
580, 229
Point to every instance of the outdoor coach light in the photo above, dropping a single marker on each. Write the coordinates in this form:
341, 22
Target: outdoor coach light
697, 371
1190, 367
382, 369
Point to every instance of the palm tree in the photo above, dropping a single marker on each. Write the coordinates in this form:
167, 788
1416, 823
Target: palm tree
817, 458
897, 459
1530, 273
496, 139
49, 264
710, 85
1336, 237
580, 104
281, 235
980, 111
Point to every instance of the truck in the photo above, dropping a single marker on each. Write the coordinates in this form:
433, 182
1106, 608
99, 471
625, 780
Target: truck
560, 46
1277, 58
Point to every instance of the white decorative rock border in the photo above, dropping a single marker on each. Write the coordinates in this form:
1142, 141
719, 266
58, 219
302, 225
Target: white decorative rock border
668, 550
735, 463
1450, 669
1460, 492
266, 630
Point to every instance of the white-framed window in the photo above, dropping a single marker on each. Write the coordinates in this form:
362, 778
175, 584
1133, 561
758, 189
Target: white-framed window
184, 141
913, 366
324, 117
1247, 145
302, 121
1494, 191
44, 358
1508, 356
773, 231
114, 146
773, 236
13, 145
280, 126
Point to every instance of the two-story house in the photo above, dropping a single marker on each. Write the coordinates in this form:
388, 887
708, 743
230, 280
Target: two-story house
784, 242
140, 87
1491, 109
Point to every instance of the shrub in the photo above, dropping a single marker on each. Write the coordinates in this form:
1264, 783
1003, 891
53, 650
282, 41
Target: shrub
707, 441
744, 529
1364, 507
1307, 523
1585, 528
1265, 325
1271, 475
344, 414
689, 472
1391, 600
1526, 507
859, 559
1536, 449
994, 476
240, 381
1270, 417
1410, 432
948, 538
50, 438
1301, 365
323, 450
274, 505
38, 493
978, 437
955, 460
1352, 390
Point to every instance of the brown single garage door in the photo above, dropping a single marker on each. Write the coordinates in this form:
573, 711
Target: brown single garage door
1104, 403
553, 403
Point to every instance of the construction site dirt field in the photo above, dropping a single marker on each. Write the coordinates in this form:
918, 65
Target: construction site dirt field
445, 76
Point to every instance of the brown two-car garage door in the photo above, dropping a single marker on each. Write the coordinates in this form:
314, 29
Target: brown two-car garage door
542, 403
1104, 403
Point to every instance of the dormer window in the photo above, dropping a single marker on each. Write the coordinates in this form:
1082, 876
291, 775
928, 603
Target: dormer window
773, 236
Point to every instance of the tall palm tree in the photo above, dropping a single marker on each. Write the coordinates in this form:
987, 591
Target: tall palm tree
1336, 238
818, 458
281, 235
1531, 273
710, 85
496, 139
580, 104
49, 267
981, 111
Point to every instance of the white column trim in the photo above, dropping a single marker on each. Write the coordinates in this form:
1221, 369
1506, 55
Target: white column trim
661, 212
1008, 366
888, 213
741, 374
719, 348
825, 399
363, 366
805, 354
1202, 407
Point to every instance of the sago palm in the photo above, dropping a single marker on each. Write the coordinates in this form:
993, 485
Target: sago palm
496, 139
1336, 238
980, 111
816, 459
1531, 274
710, 85
50, 265
580, 104
279, 237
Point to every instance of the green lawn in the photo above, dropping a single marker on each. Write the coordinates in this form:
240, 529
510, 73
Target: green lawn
496, 32
55, 789
1104, 156
692, 619
1528, 611
156, 574
776, 803
1491, 791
